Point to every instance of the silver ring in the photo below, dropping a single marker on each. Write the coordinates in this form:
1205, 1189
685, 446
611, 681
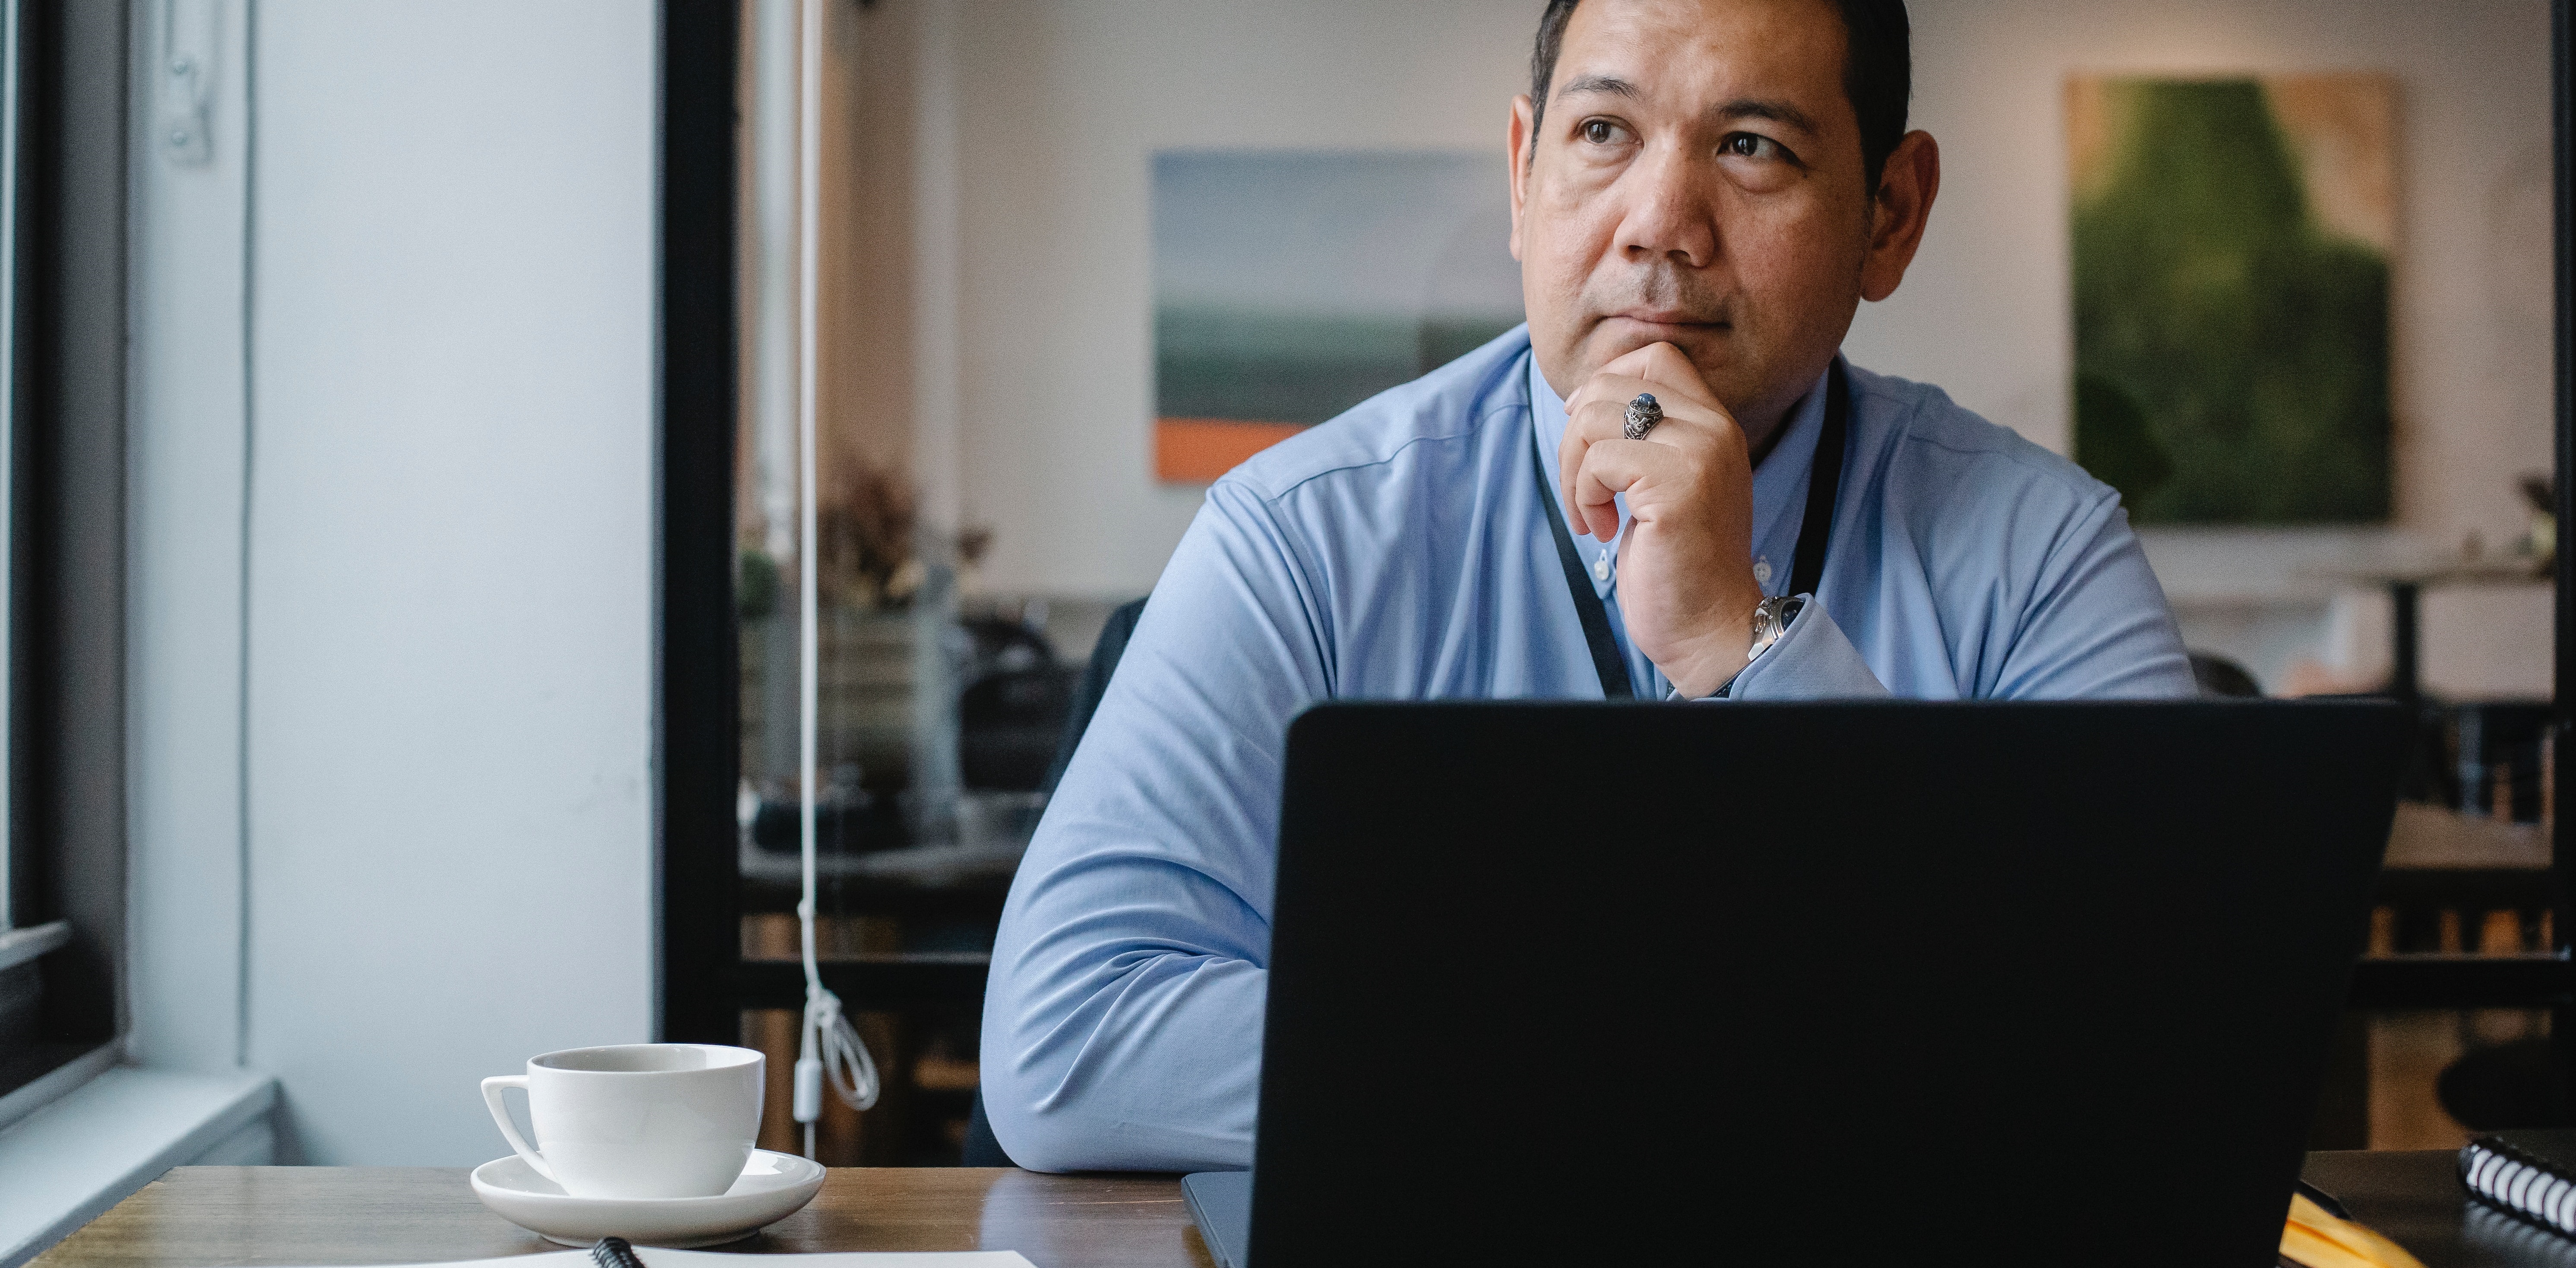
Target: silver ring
1643, 413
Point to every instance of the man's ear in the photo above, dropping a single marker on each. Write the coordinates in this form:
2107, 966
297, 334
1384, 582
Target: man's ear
1898, 215
1521, 131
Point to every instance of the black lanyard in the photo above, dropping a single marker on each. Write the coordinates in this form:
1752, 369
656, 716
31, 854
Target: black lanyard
1805, 574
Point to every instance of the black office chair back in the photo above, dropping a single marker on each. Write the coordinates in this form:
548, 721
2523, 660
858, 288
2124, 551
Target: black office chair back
1121, 626
2223, 678
982, 1148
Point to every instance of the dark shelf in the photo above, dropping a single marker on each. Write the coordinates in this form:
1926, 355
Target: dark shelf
878, 983
2463, 981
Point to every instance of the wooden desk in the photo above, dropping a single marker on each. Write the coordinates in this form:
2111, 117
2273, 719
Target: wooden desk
222, 1217
219, 1217
2413, 1198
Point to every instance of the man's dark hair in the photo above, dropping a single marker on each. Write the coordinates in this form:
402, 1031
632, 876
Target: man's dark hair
1878, 72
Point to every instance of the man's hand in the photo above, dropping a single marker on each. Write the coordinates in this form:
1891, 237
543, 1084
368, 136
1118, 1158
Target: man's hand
1686, 587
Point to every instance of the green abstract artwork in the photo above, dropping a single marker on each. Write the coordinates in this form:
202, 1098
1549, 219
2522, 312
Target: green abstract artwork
2231, 259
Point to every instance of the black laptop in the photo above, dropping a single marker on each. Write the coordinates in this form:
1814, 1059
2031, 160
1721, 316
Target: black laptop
1847, 983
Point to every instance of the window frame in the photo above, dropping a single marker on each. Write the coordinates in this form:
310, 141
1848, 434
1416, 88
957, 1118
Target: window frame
65, 507
695, 733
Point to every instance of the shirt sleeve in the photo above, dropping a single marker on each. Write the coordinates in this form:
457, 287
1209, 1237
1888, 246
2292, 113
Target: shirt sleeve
1814, 660
1122, 1021
2096, 625
2092, 624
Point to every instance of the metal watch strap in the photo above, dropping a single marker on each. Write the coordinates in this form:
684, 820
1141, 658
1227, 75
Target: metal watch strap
1771, 619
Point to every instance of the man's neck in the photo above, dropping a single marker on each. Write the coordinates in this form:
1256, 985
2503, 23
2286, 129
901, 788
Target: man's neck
1762, 432
1765, 423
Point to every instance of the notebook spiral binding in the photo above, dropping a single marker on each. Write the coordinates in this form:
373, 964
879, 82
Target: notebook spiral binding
2514, 1239
2518, 1184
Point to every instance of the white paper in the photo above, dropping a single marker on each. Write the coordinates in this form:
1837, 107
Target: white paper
656, 1257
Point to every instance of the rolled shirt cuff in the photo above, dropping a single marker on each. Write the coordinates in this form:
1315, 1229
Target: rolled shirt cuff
1814, 660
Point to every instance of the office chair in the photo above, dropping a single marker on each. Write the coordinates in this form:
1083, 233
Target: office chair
981, 1147
2223, 678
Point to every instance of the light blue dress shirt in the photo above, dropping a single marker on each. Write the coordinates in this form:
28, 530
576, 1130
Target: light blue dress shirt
1402, 551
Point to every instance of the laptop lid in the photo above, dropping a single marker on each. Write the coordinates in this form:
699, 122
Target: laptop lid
1852, 982
1220, 1203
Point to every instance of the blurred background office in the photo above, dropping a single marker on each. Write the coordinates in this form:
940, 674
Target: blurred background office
436, 599
1077, 259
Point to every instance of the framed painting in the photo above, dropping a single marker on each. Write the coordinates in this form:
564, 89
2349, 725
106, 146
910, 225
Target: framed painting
2231, 249
1290, 285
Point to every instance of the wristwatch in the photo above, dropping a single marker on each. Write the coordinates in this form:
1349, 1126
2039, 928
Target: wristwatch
1771, 619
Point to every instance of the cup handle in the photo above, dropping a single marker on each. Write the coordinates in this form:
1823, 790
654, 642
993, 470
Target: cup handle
492, 1089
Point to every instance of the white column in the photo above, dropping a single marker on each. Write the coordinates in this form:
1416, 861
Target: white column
187, 449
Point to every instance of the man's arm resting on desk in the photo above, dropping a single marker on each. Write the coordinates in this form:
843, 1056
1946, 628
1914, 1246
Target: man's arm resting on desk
1122, 1027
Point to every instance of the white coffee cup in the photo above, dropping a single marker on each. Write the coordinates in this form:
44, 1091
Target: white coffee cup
637, 1120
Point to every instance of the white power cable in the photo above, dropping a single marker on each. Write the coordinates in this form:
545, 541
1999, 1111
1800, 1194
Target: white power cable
830, 1048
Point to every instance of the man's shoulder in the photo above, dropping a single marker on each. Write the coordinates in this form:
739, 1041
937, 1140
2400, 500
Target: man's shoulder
1933, 440
1396, 426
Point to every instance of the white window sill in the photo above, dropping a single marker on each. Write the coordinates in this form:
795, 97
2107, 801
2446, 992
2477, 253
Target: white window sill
64, 1164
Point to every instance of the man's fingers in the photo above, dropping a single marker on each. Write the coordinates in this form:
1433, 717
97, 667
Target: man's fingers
1589, 425
1664, 366
1597, 421
1615, 389
1608, 397
1610, 468
1600, 421
1599, 518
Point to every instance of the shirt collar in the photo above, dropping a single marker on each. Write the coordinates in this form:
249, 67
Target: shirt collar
1779, 482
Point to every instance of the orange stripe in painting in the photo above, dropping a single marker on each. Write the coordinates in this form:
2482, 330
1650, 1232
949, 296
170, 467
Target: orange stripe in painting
1201, 449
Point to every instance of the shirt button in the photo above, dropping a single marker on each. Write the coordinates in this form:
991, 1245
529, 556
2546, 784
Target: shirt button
1601, 568
1761, 572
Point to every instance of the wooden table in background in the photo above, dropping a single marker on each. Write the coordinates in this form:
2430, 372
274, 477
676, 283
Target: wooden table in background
220, 1217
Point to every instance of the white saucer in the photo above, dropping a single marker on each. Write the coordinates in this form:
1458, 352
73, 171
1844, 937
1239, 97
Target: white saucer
773, 1186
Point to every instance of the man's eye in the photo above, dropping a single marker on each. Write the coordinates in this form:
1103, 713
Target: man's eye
1752, 145
1600, 131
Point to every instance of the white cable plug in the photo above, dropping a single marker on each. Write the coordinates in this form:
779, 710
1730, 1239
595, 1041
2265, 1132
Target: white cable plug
809, 1085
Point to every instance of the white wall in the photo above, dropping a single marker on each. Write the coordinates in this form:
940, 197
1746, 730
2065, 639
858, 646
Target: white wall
1987, 310
448, 469
1065, 101
186, 455
1071, 96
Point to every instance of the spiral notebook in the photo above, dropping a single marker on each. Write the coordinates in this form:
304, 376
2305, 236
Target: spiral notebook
2528, 1174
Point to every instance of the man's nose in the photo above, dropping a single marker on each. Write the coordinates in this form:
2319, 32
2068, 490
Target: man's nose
1668, 216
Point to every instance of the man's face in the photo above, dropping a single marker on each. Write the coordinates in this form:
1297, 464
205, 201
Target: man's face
1696, 181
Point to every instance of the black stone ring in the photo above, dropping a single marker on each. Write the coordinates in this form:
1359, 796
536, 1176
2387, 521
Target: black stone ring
1643, 413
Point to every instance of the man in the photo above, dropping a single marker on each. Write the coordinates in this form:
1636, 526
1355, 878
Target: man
1702, 193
